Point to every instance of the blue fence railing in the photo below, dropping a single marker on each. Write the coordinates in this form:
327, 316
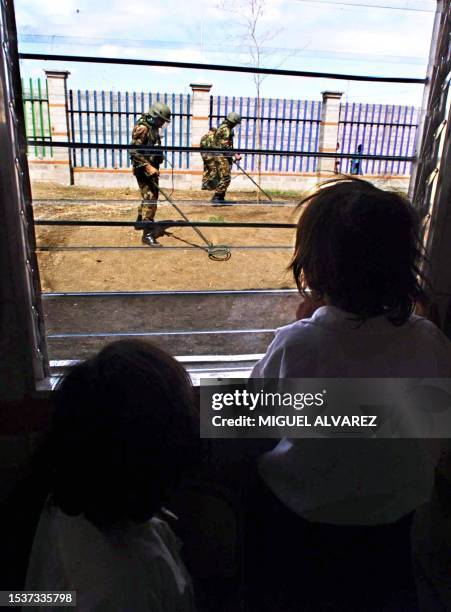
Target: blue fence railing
377, 129
271, 123
284, 124
109, 116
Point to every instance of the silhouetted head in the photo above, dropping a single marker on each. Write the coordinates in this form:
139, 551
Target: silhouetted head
124, 431
358, 247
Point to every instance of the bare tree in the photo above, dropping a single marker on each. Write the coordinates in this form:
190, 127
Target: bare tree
249, 14
252, 18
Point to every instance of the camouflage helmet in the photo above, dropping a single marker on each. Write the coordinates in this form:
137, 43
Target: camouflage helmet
160, 110
234, 118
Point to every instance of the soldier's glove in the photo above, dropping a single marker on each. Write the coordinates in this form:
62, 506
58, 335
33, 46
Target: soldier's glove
237, 157
151, 171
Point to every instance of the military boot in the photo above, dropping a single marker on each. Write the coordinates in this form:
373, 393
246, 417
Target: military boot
218, 199
149, 239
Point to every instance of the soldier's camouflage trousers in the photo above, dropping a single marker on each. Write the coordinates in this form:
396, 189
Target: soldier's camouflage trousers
148, 186
210, 177
217, 174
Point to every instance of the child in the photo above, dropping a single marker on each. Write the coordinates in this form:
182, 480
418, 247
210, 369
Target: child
124, 430
331, 517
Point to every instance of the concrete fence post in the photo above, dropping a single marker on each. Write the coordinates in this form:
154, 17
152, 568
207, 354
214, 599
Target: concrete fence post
200, 124
328, 131
59, 168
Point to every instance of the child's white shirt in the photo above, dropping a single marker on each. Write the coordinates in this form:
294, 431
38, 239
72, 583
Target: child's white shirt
353, 481
134, 567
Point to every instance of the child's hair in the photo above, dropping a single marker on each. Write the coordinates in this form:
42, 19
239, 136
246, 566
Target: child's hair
124, 429
359, 247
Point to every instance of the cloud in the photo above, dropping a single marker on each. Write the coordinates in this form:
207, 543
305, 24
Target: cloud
199, 31
391, 40
84, 18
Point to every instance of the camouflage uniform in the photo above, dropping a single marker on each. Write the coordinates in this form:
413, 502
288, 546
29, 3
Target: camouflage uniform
223, 140
217, 167
146, 133
210, 178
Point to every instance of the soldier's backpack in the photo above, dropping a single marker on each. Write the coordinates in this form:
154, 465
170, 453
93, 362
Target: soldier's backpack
208, 140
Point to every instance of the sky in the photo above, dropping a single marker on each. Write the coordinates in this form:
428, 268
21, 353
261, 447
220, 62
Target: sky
370, 37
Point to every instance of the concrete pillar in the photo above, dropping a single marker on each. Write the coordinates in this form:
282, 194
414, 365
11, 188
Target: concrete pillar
200, 124
328, 131
57, 91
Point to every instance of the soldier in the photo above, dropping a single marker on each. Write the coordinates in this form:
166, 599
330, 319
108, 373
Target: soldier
217, 167
146, 166
209, 178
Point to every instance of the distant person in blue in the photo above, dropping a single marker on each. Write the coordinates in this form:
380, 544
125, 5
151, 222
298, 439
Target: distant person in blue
356, 162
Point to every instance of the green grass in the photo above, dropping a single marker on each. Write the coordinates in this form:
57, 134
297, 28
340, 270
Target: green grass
285, 193
215, 219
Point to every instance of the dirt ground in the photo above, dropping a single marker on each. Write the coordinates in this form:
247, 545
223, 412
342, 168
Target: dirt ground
144, 268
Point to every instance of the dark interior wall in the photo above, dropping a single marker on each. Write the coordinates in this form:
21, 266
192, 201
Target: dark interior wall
23, 425
23, 413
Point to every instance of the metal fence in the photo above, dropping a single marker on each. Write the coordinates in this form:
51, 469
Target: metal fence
380, 129
37, 116
284, 124
292, 125
109, 117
